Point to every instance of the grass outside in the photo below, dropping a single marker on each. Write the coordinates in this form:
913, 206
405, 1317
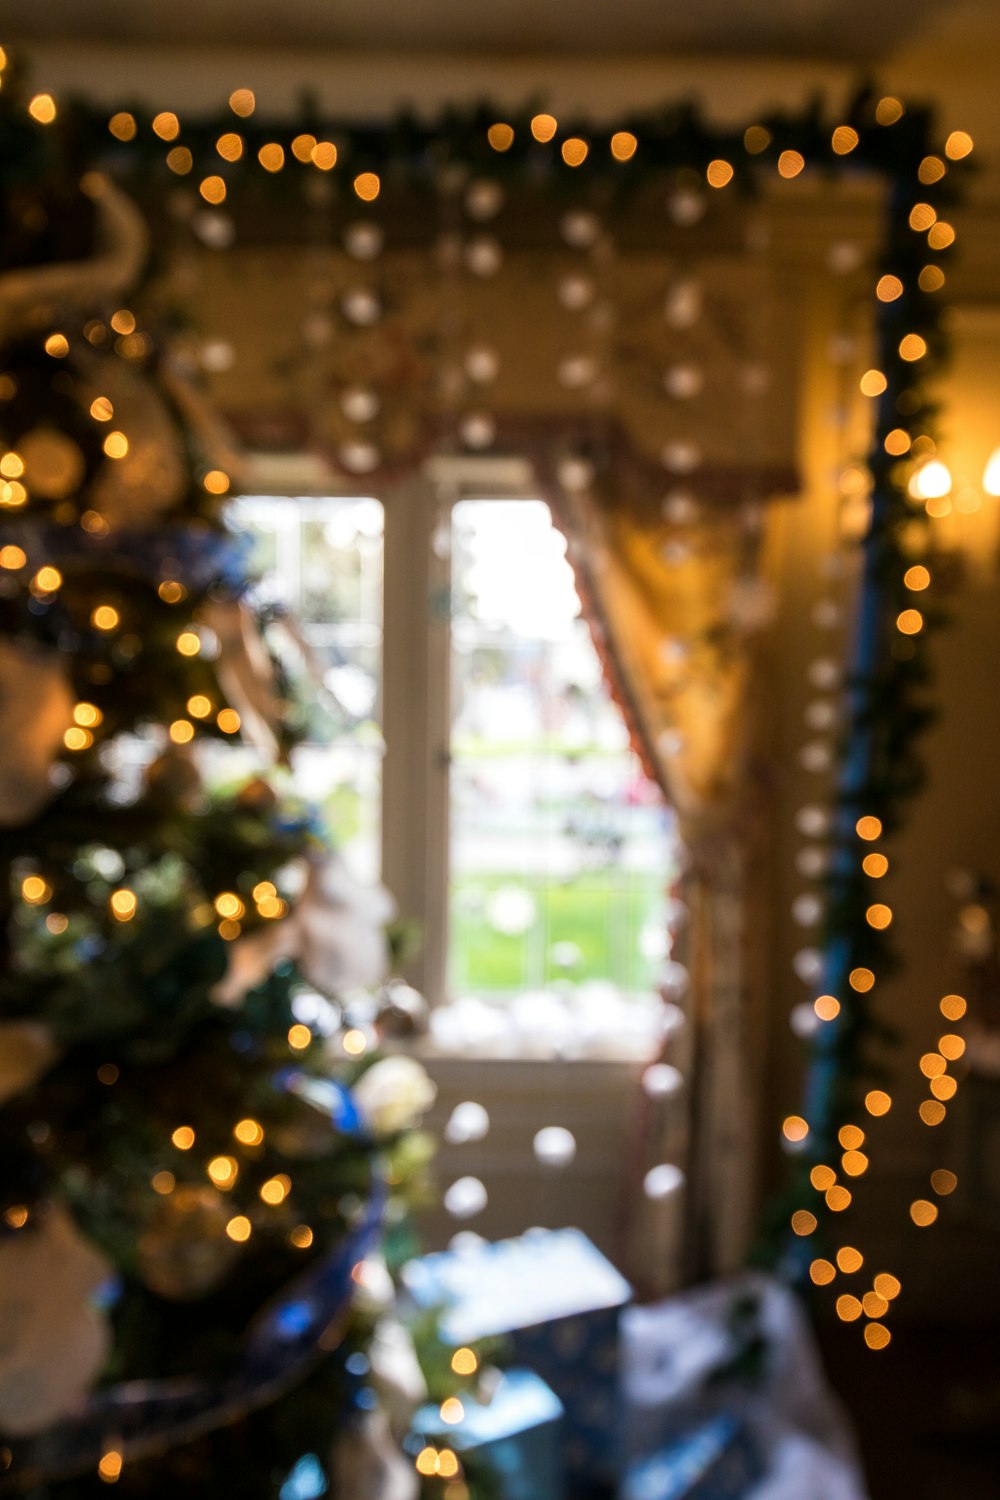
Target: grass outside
602, 913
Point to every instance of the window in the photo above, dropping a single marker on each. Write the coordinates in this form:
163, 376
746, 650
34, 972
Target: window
320, 560
519, 832
556, 857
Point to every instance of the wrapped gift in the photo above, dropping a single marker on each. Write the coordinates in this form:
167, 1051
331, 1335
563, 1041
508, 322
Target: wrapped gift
514, 1438
717, 1461
558, 1301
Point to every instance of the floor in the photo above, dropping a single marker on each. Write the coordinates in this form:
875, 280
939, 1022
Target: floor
927, 1409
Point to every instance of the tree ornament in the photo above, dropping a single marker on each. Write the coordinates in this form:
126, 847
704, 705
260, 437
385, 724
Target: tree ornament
402, 1011
53, 1341
36, 709
175, 777
185, 1250
53, 463
27, 1051
393, 1094
367, 1465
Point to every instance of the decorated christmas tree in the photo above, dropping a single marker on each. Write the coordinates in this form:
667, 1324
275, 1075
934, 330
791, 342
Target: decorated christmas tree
200, 1151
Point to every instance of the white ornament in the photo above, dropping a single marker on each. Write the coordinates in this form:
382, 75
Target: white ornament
554, 1146
482, 364
683, 382
576, 292
804, 1021
359, 403
511, 910
580, 228
469, 1121
686, 207
367, 1465
679, 508
576, 474
484, 200
53, 1341
808, 965
662, 1080
824, 672
396, 1373
821, 714
484, 256
812, 862
477, 430
813, 821
680, 457
362, 307
663, 1181
465, 1198
342, 926
363, 241
816, 756
683, 304
359, 458
214, 229
843, 257
807, 910
393, 1094
576, 371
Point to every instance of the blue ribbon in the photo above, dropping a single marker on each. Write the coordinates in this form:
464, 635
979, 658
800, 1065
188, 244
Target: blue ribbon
196, 556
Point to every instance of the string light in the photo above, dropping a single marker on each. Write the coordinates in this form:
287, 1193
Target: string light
223, 1171
500, 136
124, 904
623, 145
183, 1138
791, 163
110, 1466
275, 1190
43, 109
544, 127
249, 1132
719, 173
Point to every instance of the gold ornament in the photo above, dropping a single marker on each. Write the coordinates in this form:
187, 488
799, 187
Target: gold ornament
185, 1251
53, 463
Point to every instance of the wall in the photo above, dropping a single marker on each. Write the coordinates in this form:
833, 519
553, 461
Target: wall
952, 59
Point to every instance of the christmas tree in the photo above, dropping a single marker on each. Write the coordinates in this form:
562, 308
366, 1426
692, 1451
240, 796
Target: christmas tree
199, 1148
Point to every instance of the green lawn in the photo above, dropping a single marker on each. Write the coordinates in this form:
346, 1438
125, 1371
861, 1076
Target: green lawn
602, 913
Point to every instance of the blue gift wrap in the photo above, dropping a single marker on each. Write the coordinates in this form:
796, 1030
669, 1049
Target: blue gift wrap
515, 1436
558, 1300
717, 1461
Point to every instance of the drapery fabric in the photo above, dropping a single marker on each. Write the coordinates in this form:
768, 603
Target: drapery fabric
675, 622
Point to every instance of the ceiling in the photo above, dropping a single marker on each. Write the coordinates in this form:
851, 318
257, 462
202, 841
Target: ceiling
838, 30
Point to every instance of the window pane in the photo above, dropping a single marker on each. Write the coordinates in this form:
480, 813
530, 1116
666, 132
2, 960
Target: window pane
321, 561
560, 845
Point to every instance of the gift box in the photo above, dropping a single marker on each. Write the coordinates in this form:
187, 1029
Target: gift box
717, 1461
558, 1301
514, 1438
